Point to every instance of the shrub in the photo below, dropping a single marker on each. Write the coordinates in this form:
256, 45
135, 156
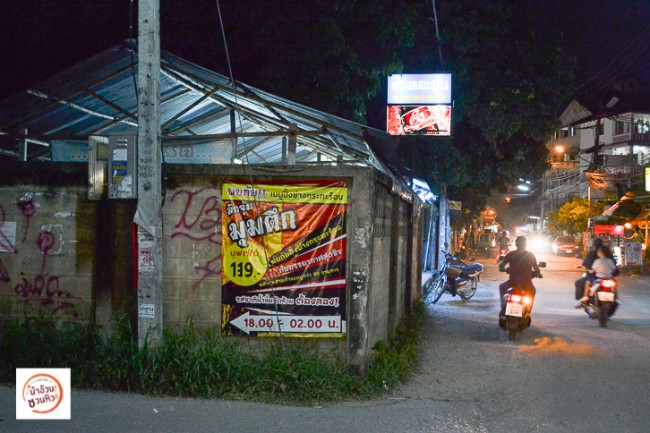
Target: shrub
199, 363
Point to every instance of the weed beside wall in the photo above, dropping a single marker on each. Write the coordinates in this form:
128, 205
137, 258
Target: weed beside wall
199, 363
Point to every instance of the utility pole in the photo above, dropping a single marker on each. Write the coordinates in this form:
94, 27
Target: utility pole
596, 163
148, 216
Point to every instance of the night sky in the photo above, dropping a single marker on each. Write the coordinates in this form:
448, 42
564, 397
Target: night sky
40, 38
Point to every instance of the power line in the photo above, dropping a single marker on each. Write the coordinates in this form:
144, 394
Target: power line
435, 20
608, 73
622, 68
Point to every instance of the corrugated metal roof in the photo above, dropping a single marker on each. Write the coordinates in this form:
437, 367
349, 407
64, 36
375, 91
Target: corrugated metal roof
98, 97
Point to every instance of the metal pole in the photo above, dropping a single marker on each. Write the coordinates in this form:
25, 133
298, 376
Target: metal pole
590, 223
148, 216
24, 147
293, 144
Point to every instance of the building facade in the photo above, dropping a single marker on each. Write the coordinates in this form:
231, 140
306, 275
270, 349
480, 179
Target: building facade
595, 157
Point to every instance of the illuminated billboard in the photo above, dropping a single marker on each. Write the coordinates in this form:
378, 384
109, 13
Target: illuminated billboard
419, 120
419, 89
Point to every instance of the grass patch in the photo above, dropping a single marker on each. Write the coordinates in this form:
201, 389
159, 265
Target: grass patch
199, 363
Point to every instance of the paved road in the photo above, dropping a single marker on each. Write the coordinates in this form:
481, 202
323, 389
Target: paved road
564, 374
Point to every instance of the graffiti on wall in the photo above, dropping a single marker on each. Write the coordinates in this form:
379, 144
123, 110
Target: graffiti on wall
200, 221
44, 288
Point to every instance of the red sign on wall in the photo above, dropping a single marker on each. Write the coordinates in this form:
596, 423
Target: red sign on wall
609, 229
419, 120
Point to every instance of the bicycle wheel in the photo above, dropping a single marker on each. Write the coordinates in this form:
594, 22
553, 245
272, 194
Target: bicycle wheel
467, 292
438, 288
426, 288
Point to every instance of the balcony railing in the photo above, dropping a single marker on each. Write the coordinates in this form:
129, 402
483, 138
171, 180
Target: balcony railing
641, 137
631, 136
564, 165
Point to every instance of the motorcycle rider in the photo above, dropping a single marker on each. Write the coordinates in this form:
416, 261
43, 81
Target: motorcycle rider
523, 264
504, 243
603, 267
587, 263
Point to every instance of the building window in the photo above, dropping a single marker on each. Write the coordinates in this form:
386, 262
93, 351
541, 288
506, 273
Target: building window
601, 128
621, 127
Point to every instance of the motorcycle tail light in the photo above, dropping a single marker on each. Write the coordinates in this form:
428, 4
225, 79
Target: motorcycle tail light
608, 284
515, 298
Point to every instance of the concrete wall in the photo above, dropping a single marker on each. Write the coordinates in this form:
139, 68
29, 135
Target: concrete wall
74, 256
47, 240
395, 277
380, 278
192, 250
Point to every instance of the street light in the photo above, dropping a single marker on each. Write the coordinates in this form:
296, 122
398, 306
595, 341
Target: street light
561, 150
524, 185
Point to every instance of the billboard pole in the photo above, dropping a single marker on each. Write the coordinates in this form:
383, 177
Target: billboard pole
148, 216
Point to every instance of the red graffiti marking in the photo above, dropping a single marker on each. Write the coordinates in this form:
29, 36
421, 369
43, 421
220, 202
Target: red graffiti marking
28, 209
45, 243
204, 227
45, 291
212, 268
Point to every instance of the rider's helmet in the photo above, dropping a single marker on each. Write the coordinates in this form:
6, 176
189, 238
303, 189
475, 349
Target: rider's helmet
596, 243
520, 242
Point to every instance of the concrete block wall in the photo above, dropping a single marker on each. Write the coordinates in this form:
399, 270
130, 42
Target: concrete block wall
49, 264
192, 251
380, 280
74, 256
381, 254
395, 258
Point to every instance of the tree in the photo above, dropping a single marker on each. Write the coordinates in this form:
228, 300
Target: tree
572, 216
509, 74
332, 55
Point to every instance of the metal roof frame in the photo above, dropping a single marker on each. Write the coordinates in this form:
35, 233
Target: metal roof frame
98, 97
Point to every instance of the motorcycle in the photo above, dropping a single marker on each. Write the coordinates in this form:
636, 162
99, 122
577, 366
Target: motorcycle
603, 301
603, 297
455, 277
519, 304
503, 251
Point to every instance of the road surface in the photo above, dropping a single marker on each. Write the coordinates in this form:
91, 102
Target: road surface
564, 374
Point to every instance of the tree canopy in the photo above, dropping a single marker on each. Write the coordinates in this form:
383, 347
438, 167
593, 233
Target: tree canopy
572, 216
509, 74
